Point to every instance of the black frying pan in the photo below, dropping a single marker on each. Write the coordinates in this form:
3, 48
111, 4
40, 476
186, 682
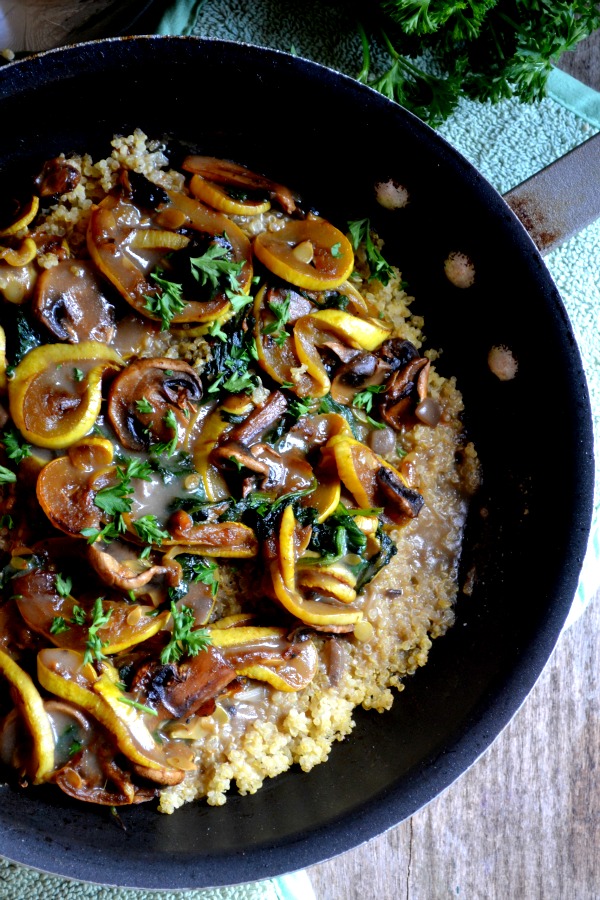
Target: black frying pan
332, 139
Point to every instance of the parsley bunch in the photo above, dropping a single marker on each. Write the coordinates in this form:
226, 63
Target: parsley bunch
487, 50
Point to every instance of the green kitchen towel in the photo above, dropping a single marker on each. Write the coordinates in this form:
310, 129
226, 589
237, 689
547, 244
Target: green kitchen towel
507, 142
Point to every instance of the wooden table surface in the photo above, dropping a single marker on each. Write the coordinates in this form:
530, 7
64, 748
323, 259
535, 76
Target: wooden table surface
524, 822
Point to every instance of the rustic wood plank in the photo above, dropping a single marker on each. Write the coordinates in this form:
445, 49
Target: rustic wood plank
521, 823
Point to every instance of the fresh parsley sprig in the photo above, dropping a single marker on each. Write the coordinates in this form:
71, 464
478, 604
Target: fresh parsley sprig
379, 267
167, 302
185, 641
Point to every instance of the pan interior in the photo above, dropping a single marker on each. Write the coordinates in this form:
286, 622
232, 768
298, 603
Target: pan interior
333, 139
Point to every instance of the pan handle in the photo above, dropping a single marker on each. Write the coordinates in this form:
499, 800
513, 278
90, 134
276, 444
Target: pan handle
561, 199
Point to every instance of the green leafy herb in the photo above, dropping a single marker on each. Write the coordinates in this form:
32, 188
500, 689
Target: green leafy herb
108, 533
216, 264
59, 625
63, 585
141, 706
6, 476
486, 50
144, 406
281, 311
78, 374
148, 530
298, 407
204, 571
168, 302
184, 640
15, 446
167, 448
94, 646
336, 251
78, 615
360, 231
6, 521
364, 399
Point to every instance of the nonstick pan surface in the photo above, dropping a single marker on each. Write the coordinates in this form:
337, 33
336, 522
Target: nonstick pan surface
333, 139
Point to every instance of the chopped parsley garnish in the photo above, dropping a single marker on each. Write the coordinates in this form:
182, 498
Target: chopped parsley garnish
167, 448
6, 476
15, 446
364, 399
216, 264
141, 706
168, 302
360, 231
281, 311
63, 585
94, 646
298, 407
116, 499
148, 530
6, 522
78, 374
78, 615
336, 251
59, 625
184, 640
144, 406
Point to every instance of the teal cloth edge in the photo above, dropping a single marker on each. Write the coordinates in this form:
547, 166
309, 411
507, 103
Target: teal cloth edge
180, 18
582, 100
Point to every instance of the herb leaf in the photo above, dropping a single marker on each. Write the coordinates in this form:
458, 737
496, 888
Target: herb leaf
184, 640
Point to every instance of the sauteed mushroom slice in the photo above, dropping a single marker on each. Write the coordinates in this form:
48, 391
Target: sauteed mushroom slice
147, 396
119, 566
406, 389
69, 300
405, 501
58, 176
182, 689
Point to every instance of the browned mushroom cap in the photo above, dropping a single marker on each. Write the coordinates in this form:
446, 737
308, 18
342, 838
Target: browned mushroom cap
58, 176
69, 300
260, 420
180, 690
363, 369
402, 501
406, 388
144, 393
